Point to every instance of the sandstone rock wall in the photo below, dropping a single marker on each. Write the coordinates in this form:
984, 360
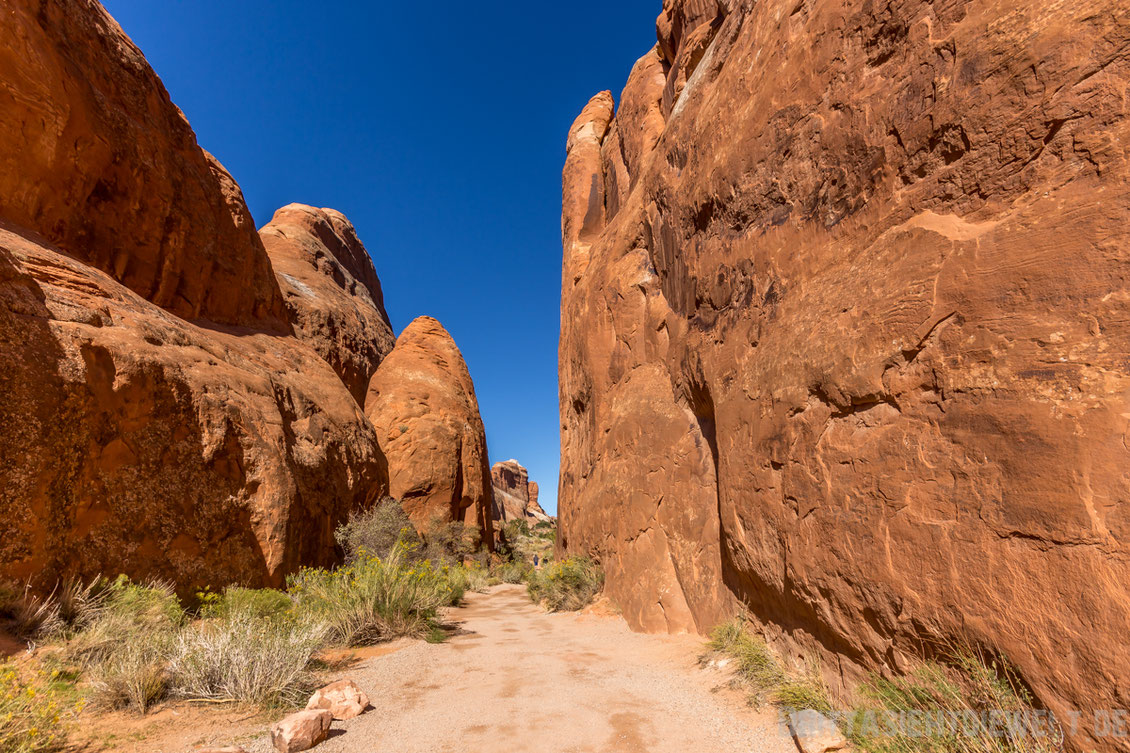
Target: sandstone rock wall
105, 167
156, 418
332, 292
844, 332
515, 496
422, 404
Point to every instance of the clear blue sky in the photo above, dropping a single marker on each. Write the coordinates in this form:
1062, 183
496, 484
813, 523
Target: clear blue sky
439, 129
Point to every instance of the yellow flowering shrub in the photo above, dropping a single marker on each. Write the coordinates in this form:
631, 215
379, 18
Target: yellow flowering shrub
33, 716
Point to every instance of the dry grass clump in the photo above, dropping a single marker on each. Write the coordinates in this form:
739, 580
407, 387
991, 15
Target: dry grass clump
244, 657
512, 571
973, 703
69, 608
567, 585
760, 672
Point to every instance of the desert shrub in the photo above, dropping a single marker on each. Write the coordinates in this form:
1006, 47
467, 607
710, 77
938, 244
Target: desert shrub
243, 656
449, 542
372, 599
70, 607
758, 670
513, 572
516, 529
261, 603
128, 612
965, 685
133, 674
33, 717
377, 531
458, 582
569, 584
478, 577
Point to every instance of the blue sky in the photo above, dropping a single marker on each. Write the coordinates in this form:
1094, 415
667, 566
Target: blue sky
439, 130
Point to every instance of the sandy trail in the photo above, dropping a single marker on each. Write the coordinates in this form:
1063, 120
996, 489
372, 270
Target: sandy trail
516, 679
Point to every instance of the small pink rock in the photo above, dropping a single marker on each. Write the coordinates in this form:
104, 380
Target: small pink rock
231, 749
301, 731
344, 699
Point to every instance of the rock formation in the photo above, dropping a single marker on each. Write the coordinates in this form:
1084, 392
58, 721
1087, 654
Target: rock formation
332, 292
103, 165
844, 326
156, 416
422, 404
515, 496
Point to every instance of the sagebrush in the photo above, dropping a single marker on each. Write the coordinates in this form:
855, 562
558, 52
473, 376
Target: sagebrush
569, 584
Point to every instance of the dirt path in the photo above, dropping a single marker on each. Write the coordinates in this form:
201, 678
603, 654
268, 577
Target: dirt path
516, 679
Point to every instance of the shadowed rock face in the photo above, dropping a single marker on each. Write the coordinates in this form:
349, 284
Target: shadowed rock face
137, 435
132, 441
333, 295
422, 404
105, 167
844, 326
515, 496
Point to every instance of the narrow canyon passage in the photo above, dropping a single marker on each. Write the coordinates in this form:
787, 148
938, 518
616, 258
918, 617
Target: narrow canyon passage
515, 678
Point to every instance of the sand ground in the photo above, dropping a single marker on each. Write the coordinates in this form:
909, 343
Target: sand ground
511, 679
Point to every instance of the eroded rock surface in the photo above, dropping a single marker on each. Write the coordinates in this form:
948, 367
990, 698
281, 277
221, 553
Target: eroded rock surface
136, 442
844, 330
101, 163
422, 404
515, 496
333, 295
156, 417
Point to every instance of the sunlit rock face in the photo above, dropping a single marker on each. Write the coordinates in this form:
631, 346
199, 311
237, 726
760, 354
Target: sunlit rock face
157, 416
421, 401
333, 296
515, 496
844, 332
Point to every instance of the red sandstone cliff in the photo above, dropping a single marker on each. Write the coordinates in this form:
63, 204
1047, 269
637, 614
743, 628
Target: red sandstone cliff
332, 291
844, 331
422, 403
515, 496
165, 410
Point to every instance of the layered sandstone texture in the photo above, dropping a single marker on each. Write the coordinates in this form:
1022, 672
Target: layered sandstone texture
515, 496
157, 417
332, 292
844, 331
422, 404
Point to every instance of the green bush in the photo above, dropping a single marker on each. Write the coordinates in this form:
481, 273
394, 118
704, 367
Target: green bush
377, 531
261, 603
373, 599
33, 717
513, 572
570, 584
243, 656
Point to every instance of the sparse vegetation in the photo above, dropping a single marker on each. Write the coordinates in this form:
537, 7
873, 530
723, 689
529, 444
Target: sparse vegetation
965, 685
246, 657
567, 585
131, 645
375, 599
512, 571
33, 717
